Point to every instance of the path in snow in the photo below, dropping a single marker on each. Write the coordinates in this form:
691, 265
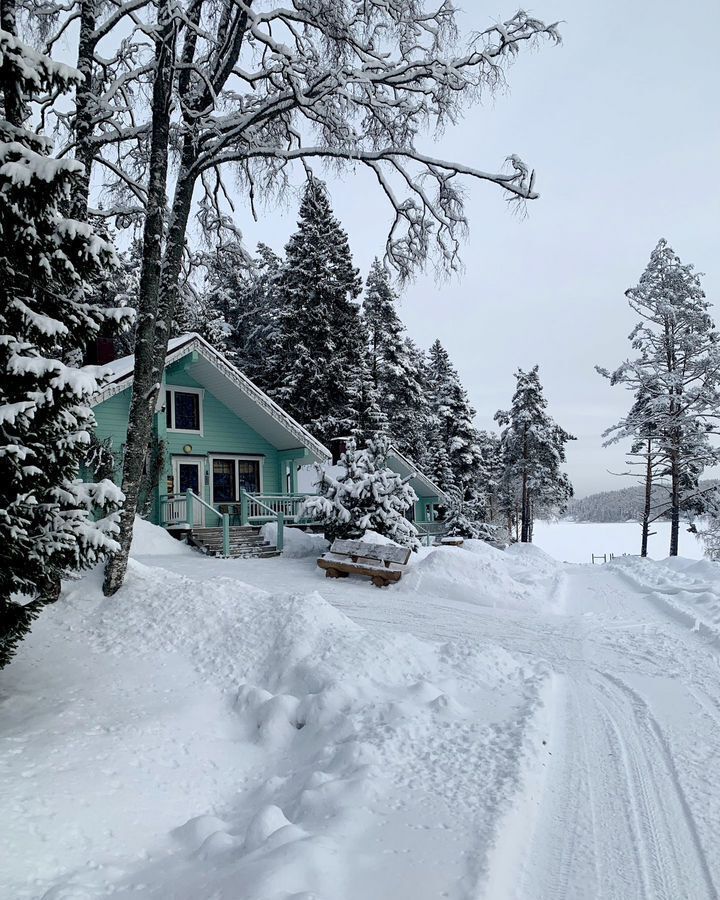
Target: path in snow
623, 799
627, 805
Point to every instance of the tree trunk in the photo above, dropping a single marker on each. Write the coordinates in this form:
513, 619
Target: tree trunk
12, 96
148, 366
648, 502
525, 511
674, 503
83, 111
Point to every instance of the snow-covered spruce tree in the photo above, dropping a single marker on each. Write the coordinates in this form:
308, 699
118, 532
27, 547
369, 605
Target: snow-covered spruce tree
453, 439
365, 496
320, 329
48, 524
533, 449
392, 361
243, 290
676, 374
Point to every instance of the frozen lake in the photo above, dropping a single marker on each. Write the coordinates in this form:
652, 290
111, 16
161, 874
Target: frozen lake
577, 541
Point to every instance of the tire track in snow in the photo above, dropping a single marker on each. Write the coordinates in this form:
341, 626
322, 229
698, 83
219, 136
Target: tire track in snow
614, 821
679, 822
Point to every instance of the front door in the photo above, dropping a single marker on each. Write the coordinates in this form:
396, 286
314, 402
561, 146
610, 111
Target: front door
189, 477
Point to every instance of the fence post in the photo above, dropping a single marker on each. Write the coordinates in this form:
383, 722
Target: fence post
280, 541
189, 508
226, 535
243, 508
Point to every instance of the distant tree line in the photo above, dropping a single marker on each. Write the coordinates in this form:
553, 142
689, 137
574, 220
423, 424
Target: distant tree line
626, 504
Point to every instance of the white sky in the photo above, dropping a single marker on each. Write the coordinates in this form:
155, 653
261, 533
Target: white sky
622, 125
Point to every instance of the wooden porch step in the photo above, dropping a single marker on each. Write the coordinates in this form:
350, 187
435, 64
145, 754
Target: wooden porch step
246, 542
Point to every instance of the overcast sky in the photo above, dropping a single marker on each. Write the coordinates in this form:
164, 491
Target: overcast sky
621, 123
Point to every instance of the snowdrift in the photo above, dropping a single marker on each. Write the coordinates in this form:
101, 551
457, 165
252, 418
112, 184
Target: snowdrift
688, 588
211, 738
477, 573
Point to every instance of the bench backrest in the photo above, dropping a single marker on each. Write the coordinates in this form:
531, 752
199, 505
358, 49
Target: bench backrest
383, 552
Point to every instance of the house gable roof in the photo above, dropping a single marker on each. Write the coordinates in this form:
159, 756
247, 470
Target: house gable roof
230, 386
406, 467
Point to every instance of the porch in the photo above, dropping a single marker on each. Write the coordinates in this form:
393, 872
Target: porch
253, 508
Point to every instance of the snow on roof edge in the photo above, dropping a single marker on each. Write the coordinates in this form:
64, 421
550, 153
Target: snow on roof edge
418, 472
124, 372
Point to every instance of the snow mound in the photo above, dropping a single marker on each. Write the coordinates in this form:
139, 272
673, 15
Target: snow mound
151, 540
224, 735
687, 588
297, 544
484, 576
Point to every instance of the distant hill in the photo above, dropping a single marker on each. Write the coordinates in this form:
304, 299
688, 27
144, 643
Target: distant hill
616, 506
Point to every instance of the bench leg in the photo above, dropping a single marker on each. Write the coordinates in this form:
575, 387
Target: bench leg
335, 573
378, 581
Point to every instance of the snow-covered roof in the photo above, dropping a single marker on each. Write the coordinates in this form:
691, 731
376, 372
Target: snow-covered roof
230, 387
420, 483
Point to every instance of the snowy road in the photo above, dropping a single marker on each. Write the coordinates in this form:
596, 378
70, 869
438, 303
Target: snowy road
498, 726
623, 801
628, 803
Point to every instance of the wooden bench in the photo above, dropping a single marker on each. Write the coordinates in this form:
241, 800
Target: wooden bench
449, 541
359, 558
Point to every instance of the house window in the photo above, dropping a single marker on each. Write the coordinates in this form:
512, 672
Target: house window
224, 482
233, 474
183, 410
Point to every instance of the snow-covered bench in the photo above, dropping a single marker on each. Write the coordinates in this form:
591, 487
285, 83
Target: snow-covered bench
449, 541
383, 563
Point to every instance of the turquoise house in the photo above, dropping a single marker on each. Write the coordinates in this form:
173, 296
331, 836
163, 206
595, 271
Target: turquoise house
222, 445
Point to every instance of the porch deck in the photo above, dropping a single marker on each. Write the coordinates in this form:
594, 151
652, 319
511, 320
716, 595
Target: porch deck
251, 509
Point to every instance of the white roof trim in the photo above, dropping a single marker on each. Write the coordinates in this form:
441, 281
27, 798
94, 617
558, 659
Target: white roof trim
421, 476
188, 343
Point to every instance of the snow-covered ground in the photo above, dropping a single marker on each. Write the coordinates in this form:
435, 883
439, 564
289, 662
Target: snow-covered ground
578, 541
497, 725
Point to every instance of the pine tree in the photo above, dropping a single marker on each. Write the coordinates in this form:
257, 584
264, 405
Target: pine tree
51, 523
365, 496
320, 329
453, 442
676, 376
533, 449
393, 364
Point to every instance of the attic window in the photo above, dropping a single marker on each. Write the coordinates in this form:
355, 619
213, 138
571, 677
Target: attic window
183, 410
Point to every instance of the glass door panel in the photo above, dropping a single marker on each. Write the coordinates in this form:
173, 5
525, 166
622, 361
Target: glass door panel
249, 475
223, 475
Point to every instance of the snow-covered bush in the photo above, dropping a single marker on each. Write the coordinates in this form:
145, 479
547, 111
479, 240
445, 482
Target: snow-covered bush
51, 523
365, 496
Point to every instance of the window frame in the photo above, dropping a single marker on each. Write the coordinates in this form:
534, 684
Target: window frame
180, 389
235, 458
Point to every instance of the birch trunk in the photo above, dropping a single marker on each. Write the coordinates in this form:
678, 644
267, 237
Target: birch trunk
84, 151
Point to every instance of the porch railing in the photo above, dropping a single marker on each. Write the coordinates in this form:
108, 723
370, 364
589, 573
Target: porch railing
265, 507
428, 531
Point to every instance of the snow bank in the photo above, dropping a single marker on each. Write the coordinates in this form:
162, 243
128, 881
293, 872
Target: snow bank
478, 573
689, 589
209, 734
297, 544
151, 540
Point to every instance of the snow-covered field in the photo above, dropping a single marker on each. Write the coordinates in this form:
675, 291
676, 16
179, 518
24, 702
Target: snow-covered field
497, 725
578, 541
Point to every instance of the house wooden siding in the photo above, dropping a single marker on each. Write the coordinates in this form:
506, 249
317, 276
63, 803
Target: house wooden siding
223, 433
